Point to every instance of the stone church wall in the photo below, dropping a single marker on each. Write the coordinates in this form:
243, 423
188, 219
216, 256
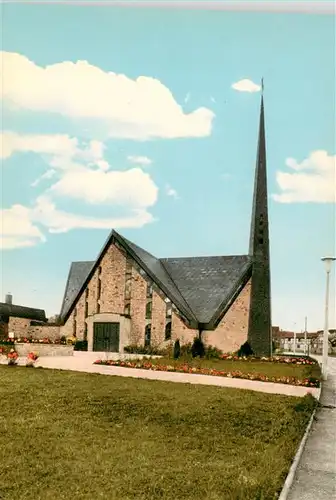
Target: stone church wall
113, 268
181, 331
138, 308
158, 321
232, 330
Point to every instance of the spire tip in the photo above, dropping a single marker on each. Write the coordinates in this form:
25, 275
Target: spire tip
262, 86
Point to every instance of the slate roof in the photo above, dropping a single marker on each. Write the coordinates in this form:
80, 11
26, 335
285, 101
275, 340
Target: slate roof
200, 287
77, 275
207, 282
22, 312
158, 271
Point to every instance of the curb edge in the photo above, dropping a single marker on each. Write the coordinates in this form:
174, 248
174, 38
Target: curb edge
291, 474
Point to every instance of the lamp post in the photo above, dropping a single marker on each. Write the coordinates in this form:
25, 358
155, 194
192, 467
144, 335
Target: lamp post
328, 265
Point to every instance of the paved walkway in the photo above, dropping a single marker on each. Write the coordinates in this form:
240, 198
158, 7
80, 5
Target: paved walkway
84, 363
315, 477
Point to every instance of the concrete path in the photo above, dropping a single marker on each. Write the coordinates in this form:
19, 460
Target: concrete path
315, 477
83, 363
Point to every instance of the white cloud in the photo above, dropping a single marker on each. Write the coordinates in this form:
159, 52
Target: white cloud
140, 160
313, 180
246, 86
47, 175
138, 109
57, 145
82, 174
58, 221
20, 224
171, 192
131, 188
17, 229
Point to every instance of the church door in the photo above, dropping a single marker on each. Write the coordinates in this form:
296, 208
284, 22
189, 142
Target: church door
106, 337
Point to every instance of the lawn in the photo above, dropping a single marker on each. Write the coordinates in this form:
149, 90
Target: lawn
78, 436
273, 370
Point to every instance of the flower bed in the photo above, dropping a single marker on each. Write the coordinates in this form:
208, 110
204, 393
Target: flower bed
296, 360
185, 368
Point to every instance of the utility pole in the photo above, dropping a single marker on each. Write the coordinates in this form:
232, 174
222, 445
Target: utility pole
305, 336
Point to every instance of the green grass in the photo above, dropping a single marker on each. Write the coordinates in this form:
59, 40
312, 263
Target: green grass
264, 368
77, 436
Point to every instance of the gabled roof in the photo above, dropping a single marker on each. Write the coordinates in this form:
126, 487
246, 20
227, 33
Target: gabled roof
156, 269
22, 312
200, 287
76, 278
207, 283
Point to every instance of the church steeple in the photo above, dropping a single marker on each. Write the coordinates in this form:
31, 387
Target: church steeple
260, 325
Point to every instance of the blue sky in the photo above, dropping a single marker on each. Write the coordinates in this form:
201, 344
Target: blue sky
156, 135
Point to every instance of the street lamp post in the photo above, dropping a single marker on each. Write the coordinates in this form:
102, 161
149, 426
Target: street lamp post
328, 264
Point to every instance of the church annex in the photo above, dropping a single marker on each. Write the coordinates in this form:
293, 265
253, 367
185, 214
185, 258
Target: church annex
128, 296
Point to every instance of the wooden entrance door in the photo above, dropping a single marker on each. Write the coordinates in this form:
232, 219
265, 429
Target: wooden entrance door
106, 337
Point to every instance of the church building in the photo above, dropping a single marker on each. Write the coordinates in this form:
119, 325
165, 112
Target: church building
129, 296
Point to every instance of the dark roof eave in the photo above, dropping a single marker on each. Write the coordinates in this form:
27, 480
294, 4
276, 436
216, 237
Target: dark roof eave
17, 311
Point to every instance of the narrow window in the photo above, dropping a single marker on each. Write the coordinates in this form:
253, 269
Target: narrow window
128, 286
85, 331
99, 270
86, 293
74, 328
149, 290
148, 334
148, 310
99, 289
86, 309
168, 331
169, 309
98, 308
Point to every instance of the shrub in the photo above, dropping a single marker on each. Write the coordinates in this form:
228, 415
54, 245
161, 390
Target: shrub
186, 351
177, 349
245, 350
212, 352
198, 349
81, 345
149, 350
7, 342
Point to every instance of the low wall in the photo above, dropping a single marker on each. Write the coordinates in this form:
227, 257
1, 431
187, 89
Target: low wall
44, 349
38, 332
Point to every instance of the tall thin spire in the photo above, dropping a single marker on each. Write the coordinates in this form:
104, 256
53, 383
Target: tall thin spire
260, 324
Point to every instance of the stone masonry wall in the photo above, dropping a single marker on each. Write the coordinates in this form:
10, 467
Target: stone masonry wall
113, 267
19, 326
80, 317
44, 349
51, 332
181, 331
93, 291
232, 331
67, 329
158, 320
138, 308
